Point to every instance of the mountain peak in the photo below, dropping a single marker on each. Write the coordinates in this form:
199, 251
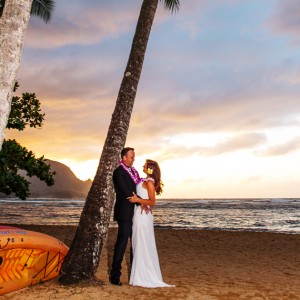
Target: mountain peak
66, 184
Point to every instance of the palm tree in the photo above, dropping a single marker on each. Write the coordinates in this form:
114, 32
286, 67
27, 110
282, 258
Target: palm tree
83, 258
14, 18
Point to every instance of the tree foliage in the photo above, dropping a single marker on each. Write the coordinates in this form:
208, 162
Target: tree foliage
39, 8
171, 5
25, 111
42, 9
2, 2
14, 157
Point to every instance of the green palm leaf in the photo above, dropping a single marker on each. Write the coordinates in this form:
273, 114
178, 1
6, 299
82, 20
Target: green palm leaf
172, 5
42, 9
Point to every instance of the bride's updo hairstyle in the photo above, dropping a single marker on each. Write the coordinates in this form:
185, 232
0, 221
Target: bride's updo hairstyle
155, 174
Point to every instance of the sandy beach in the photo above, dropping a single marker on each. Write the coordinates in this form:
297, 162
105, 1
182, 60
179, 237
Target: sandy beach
202, 265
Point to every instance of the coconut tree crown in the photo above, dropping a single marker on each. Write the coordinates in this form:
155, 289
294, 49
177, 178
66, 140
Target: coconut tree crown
172, 5
42, 9
39, 8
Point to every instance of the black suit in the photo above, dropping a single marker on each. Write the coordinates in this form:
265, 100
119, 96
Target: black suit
123, 213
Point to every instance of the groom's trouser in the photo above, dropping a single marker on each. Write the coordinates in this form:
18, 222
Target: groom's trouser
124, 233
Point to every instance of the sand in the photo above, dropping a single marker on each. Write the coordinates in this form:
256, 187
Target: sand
202, 265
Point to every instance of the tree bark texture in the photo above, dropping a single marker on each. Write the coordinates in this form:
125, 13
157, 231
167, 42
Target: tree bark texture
13, 24
82, 261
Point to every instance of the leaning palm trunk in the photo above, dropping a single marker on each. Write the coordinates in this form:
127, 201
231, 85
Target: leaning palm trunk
83, 258
13, 24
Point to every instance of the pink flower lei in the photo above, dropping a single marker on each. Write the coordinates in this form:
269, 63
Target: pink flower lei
133, 173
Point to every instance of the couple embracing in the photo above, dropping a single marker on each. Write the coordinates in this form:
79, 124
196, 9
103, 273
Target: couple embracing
133, 212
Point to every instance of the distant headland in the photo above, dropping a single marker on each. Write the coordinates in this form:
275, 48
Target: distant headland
67, 185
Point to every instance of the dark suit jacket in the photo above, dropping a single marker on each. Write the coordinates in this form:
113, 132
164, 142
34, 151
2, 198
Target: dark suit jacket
124, 187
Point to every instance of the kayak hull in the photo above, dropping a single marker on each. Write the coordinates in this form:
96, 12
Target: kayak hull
28, 258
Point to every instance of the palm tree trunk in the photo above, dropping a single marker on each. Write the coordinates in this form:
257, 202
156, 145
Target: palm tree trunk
13, 24
83, 258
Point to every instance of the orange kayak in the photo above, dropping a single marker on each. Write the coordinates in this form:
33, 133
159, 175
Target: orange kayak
27, 258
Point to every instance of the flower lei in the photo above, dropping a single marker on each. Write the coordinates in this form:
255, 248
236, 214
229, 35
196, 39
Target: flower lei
133, 173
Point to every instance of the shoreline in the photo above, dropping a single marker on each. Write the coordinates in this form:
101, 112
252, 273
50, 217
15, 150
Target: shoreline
113, 226
260, 215
203, 264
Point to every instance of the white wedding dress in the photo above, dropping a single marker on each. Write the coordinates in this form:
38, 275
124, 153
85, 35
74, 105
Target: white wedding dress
145, 269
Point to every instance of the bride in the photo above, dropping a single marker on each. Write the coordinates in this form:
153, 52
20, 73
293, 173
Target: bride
145, 270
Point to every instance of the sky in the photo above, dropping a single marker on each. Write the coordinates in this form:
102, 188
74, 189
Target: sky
218, 102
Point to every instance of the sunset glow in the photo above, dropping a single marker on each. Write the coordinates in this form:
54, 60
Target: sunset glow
217, 104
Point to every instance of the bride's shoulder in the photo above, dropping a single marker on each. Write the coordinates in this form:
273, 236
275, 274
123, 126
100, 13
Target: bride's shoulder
146, 182
149, 179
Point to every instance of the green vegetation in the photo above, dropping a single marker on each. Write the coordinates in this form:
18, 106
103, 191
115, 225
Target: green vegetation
39, 8
25, 111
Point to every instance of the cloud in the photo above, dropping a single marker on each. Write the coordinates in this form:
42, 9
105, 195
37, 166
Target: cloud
188, 146
237, 143
81, 24
239, 110
96, 21
280, 149
196, 87
286, 19
252, 179
205, 73
70, 77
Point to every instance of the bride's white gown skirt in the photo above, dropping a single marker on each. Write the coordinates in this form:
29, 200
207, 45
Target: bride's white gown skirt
145, 270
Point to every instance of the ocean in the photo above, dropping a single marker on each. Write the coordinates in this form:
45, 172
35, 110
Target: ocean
261, 214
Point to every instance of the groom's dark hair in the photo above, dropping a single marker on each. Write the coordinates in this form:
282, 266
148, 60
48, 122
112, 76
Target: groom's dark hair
125, 151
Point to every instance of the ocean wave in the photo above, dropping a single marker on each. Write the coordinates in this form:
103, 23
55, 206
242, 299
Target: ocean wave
265, 214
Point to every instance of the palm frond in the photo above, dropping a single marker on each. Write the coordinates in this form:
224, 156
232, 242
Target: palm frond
42, 9
172, 5
2, 3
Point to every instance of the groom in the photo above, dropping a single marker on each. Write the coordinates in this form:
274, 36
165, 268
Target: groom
125, 178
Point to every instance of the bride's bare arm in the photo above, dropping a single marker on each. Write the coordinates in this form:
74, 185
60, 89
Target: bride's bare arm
151, 195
